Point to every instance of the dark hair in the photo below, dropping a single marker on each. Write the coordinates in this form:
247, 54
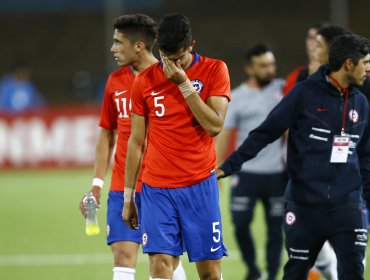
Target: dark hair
174, 33
319, 24
137, 27
348, 46
329, 32
256, 50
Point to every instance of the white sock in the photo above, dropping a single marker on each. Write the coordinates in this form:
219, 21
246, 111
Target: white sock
123, 273
179, 272
326, 262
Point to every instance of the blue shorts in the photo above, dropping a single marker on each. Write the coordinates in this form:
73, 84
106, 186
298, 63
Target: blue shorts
117, 230
183, 219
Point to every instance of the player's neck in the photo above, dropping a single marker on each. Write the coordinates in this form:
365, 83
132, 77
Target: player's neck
252, 83
341, 77
144, 62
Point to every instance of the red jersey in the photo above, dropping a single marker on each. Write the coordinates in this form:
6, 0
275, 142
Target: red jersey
116, 114
180, 152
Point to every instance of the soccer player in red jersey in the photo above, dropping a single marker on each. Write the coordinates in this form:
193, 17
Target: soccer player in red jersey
180, 103
133, 40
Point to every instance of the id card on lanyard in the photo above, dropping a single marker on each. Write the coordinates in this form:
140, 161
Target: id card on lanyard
340, 149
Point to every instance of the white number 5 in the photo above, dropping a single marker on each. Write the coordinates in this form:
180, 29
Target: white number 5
160, 106
216, 231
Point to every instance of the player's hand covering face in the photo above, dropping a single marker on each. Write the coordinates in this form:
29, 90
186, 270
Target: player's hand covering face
173, 71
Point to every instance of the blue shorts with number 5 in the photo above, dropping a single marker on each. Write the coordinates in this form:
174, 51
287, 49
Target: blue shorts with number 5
175, 220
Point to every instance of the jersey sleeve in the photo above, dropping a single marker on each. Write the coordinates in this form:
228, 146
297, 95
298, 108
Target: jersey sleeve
108, 116
220, 83
137, 98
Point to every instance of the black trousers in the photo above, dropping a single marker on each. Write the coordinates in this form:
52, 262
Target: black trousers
307, 228
247, 188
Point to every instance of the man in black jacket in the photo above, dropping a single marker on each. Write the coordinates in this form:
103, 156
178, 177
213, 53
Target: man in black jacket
328, 160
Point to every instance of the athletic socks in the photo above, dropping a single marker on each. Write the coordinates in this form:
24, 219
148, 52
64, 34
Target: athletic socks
179, 273
123, 273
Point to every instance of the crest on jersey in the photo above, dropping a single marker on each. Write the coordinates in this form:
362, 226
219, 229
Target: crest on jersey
144, 238
290, 218
198, 85
353, 116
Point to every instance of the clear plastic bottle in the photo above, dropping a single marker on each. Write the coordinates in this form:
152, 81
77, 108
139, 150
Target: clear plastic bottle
90, 207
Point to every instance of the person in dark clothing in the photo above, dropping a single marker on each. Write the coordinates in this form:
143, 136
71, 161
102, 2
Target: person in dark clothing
326, 262
328, 160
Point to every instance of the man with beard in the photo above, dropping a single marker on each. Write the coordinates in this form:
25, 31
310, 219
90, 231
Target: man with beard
264, 177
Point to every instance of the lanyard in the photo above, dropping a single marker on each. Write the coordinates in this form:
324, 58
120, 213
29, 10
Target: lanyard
345, 102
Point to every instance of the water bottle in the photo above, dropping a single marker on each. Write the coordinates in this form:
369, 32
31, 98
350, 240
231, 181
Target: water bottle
90, 208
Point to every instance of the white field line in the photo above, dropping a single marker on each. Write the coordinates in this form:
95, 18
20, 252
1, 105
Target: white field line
78, 259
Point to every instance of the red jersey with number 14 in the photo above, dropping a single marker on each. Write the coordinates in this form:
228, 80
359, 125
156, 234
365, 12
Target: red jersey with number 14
116, 114
180, 152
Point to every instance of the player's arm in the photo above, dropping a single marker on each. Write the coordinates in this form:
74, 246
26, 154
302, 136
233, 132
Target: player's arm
103, 154
135, 150
210, 114
277, 122
221, 144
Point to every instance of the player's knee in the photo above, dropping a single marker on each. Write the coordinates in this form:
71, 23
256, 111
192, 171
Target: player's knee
209, 270
124, 258
161, 265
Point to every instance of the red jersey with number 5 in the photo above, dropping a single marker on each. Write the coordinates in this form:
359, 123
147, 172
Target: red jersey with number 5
116, 114
180, 152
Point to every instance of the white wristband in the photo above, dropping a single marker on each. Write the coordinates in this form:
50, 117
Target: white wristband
186, 88
129, 195
98, 182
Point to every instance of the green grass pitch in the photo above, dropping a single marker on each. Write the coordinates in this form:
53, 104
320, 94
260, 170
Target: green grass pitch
42, 232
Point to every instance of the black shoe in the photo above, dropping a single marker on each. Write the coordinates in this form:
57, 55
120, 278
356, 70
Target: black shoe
254, 276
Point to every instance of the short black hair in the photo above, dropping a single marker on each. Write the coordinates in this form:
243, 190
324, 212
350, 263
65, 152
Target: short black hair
347, 46
329, 32
174, 33
137, 27
256, 50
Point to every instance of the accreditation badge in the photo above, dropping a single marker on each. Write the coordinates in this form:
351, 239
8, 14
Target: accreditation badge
340, 148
